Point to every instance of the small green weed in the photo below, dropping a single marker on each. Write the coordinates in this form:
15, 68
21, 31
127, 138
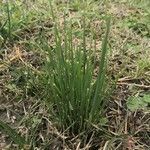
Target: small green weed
136, 102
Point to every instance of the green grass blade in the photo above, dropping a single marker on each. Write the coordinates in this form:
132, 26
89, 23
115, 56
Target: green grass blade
101, 74
9, 20
12, 134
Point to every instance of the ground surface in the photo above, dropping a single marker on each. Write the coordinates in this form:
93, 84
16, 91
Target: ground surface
128, 123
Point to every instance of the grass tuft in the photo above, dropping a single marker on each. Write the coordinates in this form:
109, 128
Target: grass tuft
77, 97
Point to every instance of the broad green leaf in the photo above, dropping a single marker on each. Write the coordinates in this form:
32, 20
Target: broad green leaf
135, 103
146, 98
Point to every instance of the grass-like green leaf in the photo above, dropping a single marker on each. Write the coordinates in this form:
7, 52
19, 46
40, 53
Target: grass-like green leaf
12, 134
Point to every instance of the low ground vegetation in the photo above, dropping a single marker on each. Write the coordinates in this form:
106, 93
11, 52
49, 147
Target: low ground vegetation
75, 75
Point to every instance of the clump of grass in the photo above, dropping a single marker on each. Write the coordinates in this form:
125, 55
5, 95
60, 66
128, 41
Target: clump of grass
77, 97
